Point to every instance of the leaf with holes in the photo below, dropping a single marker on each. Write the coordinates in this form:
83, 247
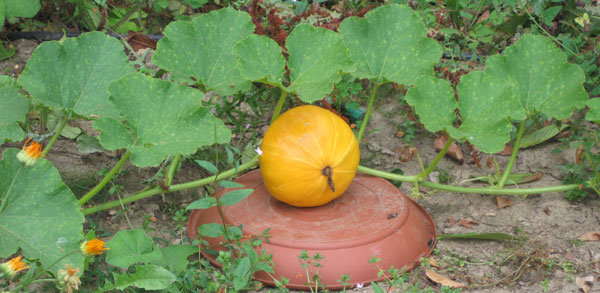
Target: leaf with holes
38, 213
541, 77
317, 59
202, 49
13, 109
486, 105
390, 45
162, 119
74, 75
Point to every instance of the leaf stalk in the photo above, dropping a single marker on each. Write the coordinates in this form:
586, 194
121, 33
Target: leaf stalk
106, 179
513, 156
57, 131
176, 187
363, 124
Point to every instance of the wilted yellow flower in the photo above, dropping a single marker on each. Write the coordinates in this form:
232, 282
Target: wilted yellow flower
30, 152
93, 247
11, 267
68, 279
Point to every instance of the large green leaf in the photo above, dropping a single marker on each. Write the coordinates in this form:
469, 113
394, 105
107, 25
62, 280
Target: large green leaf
175, 257
203, 50
130, 247
317, 58
541, 77
162, 119
148, 277
390, 45
13, 108
22, 8
38, 214
260, 59
434, 102
594, 113
487, 104
74, 75
18, 8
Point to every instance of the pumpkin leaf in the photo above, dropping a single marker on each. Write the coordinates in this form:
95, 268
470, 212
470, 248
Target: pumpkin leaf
13, 108
162, 119
18, 8
594, 113
317, 59
175, 257
38, 213
202, 49
148, 277
260, 59
235, 196
74, 75
390, 45
486, 105
541, 135
433, 93
541, 77
128, 247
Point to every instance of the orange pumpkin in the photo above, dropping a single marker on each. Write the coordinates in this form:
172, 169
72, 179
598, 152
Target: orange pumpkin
310, 157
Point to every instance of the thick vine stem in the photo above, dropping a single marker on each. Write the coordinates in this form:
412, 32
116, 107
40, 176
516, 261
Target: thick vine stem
435, 161
363, 124
513, 156
106, 179
387, 175
459, 189
279, 104
54, 137
177, 187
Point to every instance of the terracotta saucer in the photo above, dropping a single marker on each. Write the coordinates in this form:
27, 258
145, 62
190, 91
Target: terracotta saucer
372, 218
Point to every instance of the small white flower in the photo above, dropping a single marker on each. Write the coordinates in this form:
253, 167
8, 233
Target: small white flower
258, 151
359, 285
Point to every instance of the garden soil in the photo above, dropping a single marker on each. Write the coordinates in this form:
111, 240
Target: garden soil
549, 258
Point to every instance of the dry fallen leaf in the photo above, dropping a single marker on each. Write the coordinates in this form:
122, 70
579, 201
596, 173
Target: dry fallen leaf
579, 155
502, 202
454, 151
547, 211
443, 280
450, 222
584, 284
431, 261
590, 236
467, 223
484, 16
405, 153
507, 151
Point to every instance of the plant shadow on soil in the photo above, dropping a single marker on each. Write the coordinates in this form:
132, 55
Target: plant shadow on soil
549, 259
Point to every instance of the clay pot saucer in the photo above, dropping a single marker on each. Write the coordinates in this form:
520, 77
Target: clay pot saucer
372, 218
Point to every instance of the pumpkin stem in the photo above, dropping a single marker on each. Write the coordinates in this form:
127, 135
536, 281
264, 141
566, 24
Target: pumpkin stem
329, 173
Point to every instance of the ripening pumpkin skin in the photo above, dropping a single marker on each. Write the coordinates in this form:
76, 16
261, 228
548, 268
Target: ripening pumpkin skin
298, 147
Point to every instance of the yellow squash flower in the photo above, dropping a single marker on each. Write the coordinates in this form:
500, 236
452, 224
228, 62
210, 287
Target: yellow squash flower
30, 152
93, 247
11, 267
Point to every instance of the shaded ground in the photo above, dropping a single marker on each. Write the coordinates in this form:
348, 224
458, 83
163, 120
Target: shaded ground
549, 258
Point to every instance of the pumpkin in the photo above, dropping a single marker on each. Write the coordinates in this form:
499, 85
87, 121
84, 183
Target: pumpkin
309, 157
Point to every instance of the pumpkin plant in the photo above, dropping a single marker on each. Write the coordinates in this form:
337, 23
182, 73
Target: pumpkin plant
155, 122
309, 158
